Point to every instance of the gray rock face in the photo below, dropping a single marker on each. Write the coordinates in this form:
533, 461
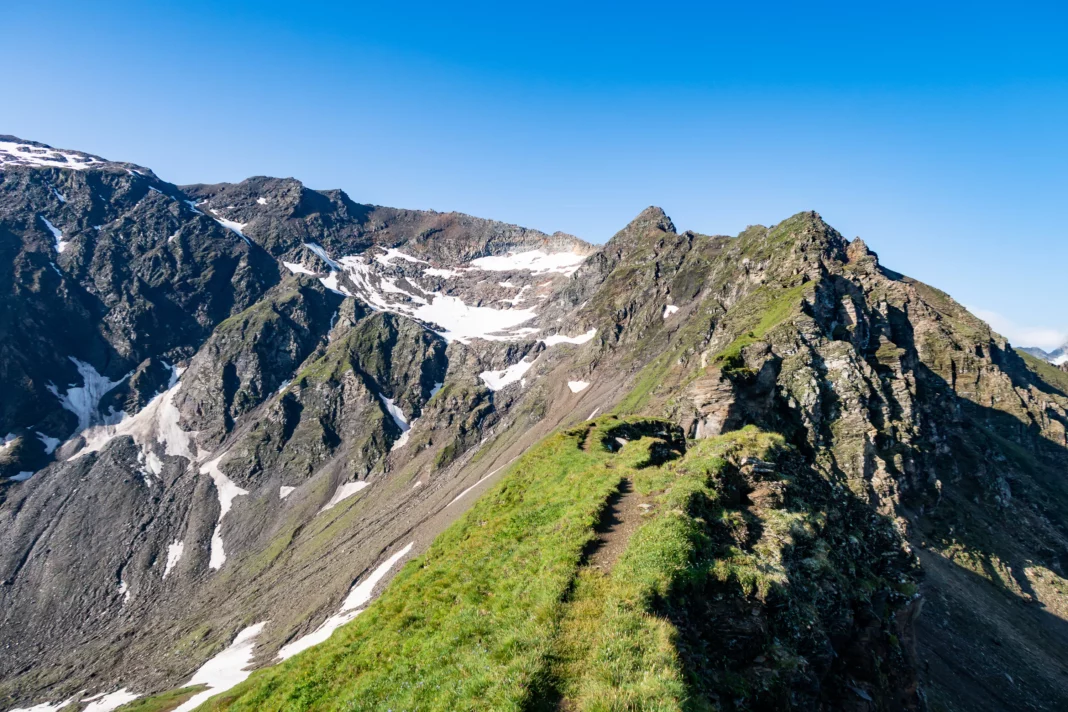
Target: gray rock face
235, 401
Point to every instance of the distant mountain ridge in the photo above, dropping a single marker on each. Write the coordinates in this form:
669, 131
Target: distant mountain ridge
675, 471
1057, 356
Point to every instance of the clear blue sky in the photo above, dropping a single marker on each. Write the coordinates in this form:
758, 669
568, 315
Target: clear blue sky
938, 135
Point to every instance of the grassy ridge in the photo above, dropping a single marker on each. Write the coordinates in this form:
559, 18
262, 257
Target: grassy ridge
471, 624
503, 612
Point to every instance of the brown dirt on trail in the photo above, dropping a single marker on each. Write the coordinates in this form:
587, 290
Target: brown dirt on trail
620, 519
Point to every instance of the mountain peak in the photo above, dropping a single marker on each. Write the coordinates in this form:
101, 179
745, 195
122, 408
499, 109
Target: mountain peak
654, 217
650, 224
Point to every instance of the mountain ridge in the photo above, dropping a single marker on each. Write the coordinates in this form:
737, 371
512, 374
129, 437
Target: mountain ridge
289, 393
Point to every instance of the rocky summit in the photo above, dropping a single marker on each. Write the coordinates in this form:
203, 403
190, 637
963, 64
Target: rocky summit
263, 447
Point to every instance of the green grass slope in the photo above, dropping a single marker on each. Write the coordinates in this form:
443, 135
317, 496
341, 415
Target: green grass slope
729, 564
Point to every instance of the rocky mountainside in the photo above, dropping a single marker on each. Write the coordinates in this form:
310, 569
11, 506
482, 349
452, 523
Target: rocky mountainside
233, 412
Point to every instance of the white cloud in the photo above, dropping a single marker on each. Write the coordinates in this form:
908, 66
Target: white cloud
1044, 337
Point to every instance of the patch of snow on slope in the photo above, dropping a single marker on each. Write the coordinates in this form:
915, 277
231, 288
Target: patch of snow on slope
59, 196
393, 253
21, 477
344, 492
227, 491
8, 441
50, 443
225, 670
496, 380
61, 244
455, 320
284, 491
461, 322
234, 227
359, 596
45, 706
297, 268
111, 701
457, 497
562, 339
158, 421
669, 310
318, 250
14, 153
443, 273
533, 261
84, 400
398, 417
261, 201
578, 386
174, 554
331, 283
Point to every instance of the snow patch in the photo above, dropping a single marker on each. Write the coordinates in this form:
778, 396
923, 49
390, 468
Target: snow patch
14, 153
359, 596
261, 201
578, 386
457, 497
462, 323
398, 417
234, 227
534, 261
45, 706
59, 196
393, 254
7, 441
174, 554
50, 443
496, 380
344, 492
111, 701
449, 316
443, 273
318, 250
669, 310
84, 400
97, 703
284, 491
297, 268
21, 477
227, 491
157, 421
61, 244
562, 339
331, 283
225, 670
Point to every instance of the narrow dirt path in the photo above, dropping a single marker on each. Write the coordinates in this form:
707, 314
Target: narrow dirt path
620, 519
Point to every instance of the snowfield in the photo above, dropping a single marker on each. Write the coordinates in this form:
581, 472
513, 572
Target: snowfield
533, 261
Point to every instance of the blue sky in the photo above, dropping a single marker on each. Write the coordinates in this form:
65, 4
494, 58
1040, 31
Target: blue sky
936, 134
